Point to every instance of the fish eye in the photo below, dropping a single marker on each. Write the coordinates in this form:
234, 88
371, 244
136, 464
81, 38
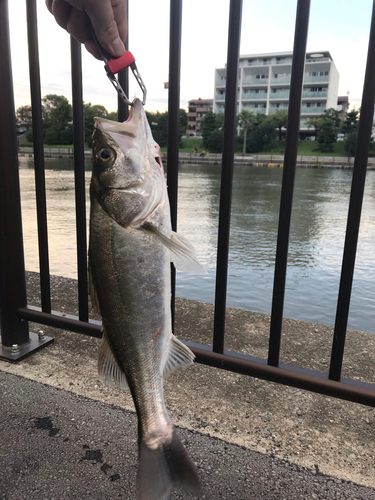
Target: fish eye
104, 154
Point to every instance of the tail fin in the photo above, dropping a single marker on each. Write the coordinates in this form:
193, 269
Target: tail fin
165, 467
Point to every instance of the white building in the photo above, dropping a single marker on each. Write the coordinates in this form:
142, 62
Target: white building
264, 84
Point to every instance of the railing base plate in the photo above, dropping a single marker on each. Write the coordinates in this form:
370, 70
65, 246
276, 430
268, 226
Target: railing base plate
6, 353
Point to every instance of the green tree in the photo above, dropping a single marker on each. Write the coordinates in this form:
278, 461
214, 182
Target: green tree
24, 116
183, 122
245, 120
262, 133
159, 126
351, 143
208, 125
57, 111
211, 122
89, 113
328, 129
113, 116
57, 119
314, 122
280, 120
215, 141
350, 124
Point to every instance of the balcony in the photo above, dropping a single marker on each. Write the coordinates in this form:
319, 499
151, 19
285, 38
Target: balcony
313, 110
280, 95
220, 83
254, 81
275, 110
253, 95
283, 79
286, 61
315, 79
318, 59
220, 97
321, 94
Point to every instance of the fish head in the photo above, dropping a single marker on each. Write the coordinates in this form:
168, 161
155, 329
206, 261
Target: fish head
128, 178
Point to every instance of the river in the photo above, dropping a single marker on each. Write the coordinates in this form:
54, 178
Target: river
316, 241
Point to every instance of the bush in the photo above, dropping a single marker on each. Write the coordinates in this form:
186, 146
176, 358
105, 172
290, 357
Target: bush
214, 141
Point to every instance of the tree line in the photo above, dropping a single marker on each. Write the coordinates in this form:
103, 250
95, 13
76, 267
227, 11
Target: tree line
57, 115
255, 132
259, 132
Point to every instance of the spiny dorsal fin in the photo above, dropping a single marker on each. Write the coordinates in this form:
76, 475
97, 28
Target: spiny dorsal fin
182, 251
110, 372
179, 356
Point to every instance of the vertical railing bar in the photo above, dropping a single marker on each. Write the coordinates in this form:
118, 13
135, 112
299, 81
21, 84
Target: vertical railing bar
291, 148
123, 78
355, 208
234, 37
40, 182
173, 122
12, 264
79, 177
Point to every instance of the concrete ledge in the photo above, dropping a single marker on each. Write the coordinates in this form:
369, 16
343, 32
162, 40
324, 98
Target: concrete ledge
313, 431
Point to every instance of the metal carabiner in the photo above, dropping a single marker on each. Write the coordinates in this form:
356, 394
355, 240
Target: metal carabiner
114, 65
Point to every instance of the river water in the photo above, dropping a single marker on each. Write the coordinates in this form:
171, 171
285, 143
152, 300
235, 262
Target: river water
316, 241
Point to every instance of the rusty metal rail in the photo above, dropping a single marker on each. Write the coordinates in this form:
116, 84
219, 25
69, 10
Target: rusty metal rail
15, 311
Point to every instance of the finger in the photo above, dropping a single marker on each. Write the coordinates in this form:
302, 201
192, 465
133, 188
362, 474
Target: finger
105, 26
121, 18
92, 48
60, 10
78, 25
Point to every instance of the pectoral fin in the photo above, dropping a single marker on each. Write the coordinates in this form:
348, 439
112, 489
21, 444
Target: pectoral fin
110, 371
179, 356
182, 251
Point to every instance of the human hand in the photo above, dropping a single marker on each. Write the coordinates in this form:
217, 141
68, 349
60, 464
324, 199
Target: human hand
108, 18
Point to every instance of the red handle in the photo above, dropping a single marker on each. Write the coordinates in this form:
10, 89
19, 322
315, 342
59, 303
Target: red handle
116, 65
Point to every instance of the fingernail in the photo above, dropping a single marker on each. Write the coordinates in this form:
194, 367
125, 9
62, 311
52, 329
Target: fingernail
118, 47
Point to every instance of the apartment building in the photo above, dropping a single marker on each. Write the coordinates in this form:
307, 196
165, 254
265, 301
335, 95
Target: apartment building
197, 109
264, 84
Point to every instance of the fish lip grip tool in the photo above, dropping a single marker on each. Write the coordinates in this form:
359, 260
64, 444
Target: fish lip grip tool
114, 65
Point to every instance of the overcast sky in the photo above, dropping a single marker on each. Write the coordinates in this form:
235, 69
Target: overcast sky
339, 26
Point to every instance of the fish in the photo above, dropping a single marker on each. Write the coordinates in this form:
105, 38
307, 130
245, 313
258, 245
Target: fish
131, 247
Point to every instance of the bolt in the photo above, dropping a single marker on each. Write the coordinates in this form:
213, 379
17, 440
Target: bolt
41, 336
15, 349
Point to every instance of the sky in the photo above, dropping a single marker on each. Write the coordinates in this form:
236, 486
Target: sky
339, 26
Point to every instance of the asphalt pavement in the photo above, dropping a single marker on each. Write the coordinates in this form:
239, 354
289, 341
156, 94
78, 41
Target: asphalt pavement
58, 445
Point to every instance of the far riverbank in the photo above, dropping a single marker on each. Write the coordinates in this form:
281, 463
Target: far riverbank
257, 160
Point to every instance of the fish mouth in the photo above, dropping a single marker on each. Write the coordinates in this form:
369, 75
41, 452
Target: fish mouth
128, 128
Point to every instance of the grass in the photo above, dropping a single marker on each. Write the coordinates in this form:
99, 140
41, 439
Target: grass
308, 148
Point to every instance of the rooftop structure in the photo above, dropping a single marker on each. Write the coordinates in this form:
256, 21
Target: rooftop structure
197, 109
264, 84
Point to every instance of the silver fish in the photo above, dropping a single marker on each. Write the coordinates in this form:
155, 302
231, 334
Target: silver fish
131, 247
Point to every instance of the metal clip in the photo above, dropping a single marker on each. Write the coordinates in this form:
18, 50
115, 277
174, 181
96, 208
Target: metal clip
113, 66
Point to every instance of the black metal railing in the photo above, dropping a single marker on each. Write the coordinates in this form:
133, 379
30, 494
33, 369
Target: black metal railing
15, 311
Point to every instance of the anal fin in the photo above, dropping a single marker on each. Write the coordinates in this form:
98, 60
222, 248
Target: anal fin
92, 292
110, 371
179, 356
